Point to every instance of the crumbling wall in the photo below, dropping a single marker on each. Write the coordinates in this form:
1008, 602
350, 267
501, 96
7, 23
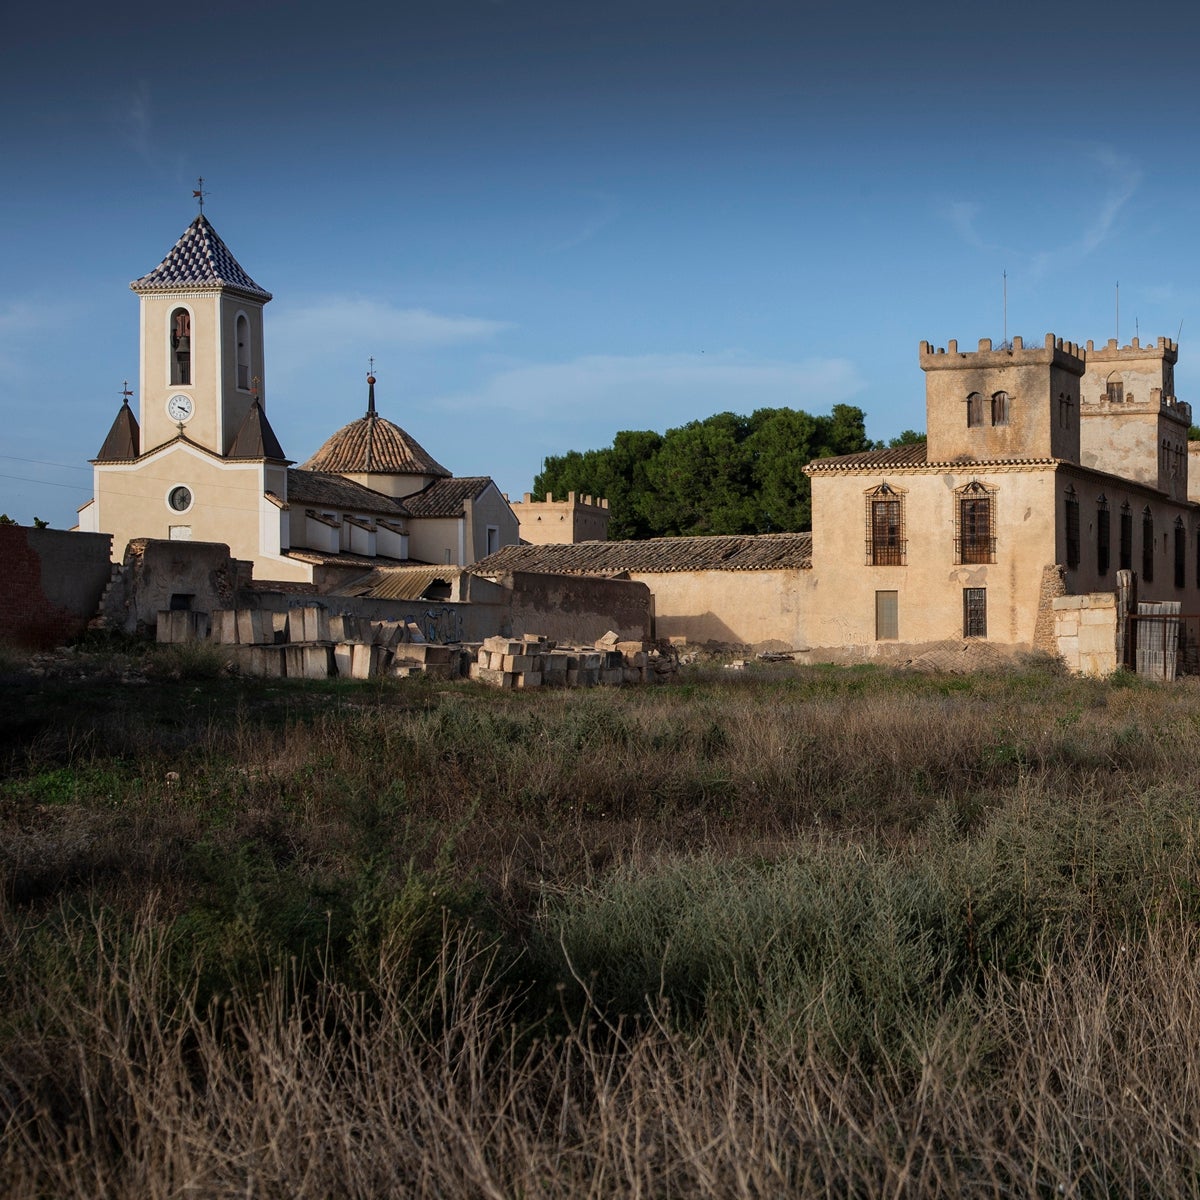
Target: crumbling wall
51, 581
578, 608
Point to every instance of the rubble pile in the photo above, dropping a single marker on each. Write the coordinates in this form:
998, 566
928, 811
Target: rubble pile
308, 642
534, 661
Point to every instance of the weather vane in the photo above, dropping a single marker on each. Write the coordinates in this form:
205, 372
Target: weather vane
125, 390
198, 193
371, 365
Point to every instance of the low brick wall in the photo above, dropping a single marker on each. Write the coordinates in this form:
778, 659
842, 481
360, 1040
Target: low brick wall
1085, 632
51, 581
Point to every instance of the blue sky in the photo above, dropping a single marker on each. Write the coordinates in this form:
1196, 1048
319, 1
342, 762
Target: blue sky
549, 220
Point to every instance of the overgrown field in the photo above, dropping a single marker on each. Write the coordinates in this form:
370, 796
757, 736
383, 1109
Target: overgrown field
790, 931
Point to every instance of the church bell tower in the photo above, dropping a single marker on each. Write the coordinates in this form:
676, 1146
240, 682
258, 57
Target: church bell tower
201, 344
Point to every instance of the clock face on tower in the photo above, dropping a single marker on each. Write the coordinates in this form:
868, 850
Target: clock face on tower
179, 408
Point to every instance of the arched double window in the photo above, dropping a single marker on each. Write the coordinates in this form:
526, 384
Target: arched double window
1000, 408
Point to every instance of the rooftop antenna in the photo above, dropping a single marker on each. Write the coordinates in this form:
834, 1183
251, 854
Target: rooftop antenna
1117, 331
1180, 331
1137, 330
1004, 277
198, 193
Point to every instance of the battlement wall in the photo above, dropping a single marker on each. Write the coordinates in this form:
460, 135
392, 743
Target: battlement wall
1112, 352
1054, 351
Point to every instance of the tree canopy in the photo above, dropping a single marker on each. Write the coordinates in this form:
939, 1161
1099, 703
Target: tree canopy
725, 474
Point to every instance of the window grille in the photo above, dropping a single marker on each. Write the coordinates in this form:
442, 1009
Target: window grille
1072, 529
974, 612
1180, 553
976, 538
974, 410
1126, 538
885, 528
1102, 536
1147, 545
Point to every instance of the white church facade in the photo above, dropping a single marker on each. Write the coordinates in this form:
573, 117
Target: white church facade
200, 460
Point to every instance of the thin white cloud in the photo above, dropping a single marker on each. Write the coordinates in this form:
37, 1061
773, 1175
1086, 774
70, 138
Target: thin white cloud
314, 330
658, 390
602, 210
1120, 178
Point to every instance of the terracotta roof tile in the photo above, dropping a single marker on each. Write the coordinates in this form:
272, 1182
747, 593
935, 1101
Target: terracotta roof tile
200, 260
373, 445
396, 583
318, 487
743, 552
913, 455
445, 497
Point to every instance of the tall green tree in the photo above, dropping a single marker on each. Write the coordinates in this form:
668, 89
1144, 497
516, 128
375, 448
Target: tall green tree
725, 474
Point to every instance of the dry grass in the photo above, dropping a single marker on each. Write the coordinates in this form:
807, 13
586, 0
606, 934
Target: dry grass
844, 933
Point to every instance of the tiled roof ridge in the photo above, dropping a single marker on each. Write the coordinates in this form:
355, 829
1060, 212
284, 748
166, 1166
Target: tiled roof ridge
200, 259
712, 552
914, 455
336, 491
445, 497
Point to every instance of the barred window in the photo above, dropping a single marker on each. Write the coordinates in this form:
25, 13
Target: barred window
1102, 536
1072, 529
1147, 545
1114, 389
974, 410
1180, 553
1000, 408
885, 527
974, 612
976, 539
1126, 537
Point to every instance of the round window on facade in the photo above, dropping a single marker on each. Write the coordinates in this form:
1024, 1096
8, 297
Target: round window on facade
180, 498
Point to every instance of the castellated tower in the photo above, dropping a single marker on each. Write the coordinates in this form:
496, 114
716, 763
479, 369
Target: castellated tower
1131, 423
1014, 403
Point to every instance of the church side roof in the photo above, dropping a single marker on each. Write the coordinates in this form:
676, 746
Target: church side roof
124, 438
445, 497
737, 552
320, 487
372, 444
200, 259
256, 438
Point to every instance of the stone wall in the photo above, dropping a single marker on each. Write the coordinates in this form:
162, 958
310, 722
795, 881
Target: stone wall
1085, 632
577, 607
51, 581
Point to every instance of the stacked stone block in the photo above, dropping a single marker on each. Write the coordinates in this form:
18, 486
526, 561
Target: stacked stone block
534, 661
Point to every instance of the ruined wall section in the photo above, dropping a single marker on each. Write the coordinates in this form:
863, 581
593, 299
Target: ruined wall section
51, 582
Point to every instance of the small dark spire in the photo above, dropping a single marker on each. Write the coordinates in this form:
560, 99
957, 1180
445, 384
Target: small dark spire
371, 414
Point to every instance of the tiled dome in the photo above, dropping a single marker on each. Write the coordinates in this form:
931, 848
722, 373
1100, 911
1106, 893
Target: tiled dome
373, 444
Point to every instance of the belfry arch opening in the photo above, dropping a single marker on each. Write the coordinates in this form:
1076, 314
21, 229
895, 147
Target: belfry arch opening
181, 347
